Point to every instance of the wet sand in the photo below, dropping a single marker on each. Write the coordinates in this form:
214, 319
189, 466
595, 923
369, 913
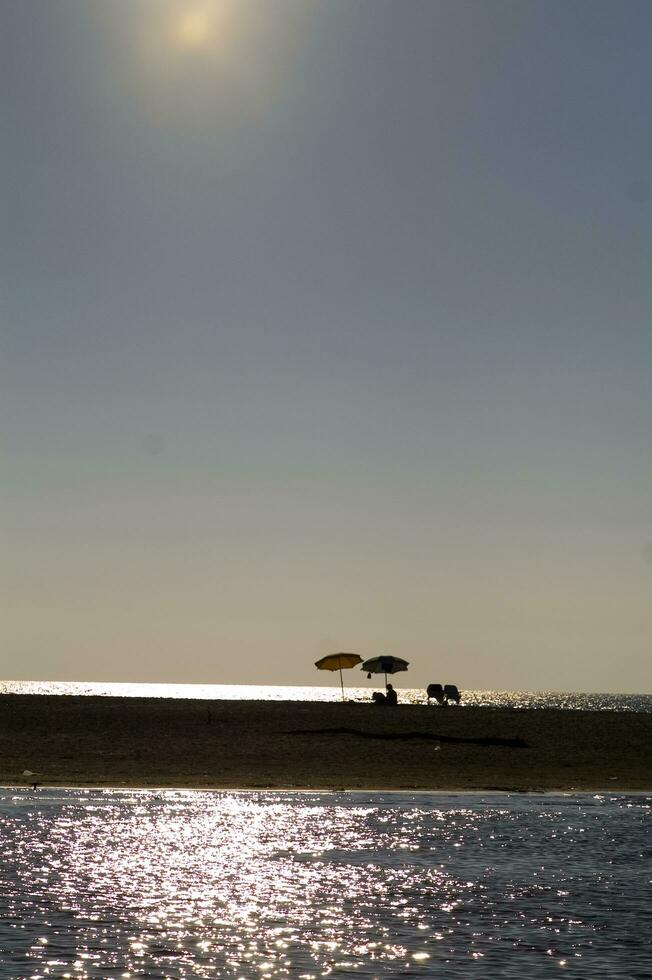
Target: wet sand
143, 742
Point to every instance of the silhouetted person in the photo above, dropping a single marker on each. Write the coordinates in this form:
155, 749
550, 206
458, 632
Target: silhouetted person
391, 697
378, 698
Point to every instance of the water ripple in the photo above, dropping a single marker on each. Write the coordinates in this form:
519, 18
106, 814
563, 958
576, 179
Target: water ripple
269, 692
186, 884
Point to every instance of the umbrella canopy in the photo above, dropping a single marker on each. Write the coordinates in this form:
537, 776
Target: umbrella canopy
384, 665
338, 661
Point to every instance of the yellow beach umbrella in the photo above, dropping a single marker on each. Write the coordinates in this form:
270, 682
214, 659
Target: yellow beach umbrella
338, 661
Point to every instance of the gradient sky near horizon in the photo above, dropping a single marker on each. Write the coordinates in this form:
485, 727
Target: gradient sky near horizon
327, 325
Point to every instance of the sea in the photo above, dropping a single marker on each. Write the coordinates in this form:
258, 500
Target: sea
332, 692
307, 885
194, 884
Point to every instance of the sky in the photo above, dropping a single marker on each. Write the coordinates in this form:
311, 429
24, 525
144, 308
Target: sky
326, 325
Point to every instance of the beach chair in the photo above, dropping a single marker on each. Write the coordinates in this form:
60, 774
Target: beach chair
436, 691
452, 694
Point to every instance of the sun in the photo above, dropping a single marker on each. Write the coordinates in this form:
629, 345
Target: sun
197, 64
196, 25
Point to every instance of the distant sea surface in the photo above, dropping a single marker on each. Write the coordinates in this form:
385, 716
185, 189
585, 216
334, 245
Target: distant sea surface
167, 884
266, 692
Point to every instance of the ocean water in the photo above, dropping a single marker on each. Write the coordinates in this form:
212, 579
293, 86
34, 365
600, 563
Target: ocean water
309, 885
267, 692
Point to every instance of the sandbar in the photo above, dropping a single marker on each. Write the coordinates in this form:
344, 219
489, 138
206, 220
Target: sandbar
160, 742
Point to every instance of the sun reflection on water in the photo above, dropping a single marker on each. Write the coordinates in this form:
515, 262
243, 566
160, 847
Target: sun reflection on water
178, 884
270, 692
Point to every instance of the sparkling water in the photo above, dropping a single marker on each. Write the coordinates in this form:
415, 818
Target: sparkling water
192, 884
268, 692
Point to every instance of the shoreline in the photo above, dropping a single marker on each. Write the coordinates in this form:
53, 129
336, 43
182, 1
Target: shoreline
101, 742
324, 791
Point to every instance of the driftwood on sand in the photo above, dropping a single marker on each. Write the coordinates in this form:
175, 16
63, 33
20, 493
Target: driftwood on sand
514, 743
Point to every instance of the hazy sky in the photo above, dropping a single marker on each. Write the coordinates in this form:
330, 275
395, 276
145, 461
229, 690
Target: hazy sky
327, 325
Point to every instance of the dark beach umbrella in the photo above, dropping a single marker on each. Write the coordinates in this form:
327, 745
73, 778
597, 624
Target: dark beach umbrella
384, 665
338, 661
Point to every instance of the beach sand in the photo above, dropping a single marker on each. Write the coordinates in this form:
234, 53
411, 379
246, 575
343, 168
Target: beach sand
142, 742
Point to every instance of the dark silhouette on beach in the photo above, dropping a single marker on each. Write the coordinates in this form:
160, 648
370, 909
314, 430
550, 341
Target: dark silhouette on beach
390, 696
443, 695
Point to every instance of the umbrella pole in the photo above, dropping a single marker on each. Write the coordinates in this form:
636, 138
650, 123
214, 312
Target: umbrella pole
342, 683
385, 680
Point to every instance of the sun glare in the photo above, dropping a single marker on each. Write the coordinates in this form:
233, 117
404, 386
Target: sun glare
196, 64
196, 26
